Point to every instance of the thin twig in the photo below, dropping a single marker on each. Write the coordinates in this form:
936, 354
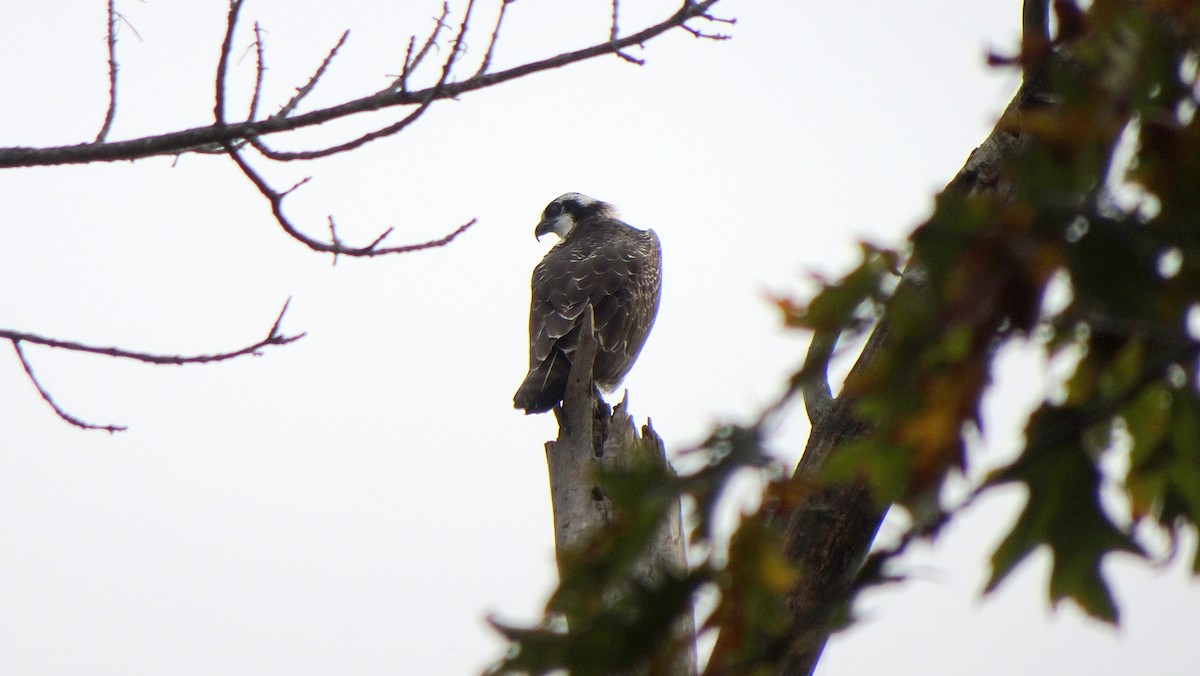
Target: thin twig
259, 71
334, 246
112, 74
487, 56
704, 36
410, 64
304, 91
285, 110
711, 19
235, 7
388, 130
614, 31
401, 81
274, 337
58, 410
275, 199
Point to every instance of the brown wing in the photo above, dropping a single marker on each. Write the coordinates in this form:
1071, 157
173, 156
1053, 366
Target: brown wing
624, 318
616, 270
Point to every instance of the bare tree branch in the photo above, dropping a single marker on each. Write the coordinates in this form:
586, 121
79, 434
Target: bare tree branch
58, 410
411, 62
260, 68
304, 91
699, 34
388, 130
273, 338
235, 8
487, 56
285, 110
112, 75
275, 198
219, 134
335, 247
614, 31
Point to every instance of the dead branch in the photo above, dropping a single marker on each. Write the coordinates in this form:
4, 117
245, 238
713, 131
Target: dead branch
592, 439
411, 62
388, 130
260, 68
273, 338
275, 198
699, 34
487, 55
614, 30
112, 77
235, 8
305, 90
334, 246
220, 134
58, 410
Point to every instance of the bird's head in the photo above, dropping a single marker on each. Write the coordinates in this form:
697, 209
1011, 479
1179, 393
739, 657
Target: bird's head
566, 211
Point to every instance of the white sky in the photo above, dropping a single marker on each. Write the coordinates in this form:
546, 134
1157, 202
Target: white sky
360, 501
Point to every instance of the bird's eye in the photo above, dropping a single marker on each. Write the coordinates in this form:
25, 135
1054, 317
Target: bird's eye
553, 210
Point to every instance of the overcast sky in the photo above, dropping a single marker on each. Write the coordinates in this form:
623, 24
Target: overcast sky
360, 501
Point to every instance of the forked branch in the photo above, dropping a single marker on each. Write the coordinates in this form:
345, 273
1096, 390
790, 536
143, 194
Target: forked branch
273, 338
218, 134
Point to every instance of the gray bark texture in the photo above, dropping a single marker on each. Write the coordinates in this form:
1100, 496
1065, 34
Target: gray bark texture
592, 438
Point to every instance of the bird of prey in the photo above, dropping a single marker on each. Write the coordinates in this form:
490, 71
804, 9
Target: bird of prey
599, 261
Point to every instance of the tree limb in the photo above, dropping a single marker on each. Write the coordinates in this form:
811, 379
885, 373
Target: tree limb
112, 75
818, 398
830, 533
219, 134
58, 410
273, 338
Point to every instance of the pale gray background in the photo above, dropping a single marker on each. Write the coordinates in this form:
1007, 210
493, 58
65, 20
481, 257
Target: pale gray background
360, 501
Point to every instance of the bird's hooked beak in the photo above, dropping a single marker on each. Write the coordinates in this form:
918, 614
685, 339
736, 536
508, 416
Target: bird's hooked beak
544, 227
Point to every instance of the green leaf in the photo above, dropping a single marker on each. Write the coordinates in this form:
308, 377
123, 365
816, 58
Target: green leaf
886, 469
1063, 512
1146, 422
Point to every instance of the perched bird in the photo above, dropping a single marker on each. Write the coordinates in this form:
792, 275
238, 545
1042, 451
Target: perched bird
599, 261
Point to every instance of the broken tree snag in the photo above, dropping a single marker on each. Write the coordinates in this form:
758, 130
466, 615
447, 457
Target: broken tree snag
571, 458
592, 438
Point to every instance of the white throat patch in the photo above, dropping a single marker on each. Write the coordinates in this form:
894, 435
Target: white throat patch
562, 224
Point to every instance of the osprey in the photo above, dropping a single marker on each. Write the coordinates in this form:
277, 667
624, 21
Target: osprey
599, 261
